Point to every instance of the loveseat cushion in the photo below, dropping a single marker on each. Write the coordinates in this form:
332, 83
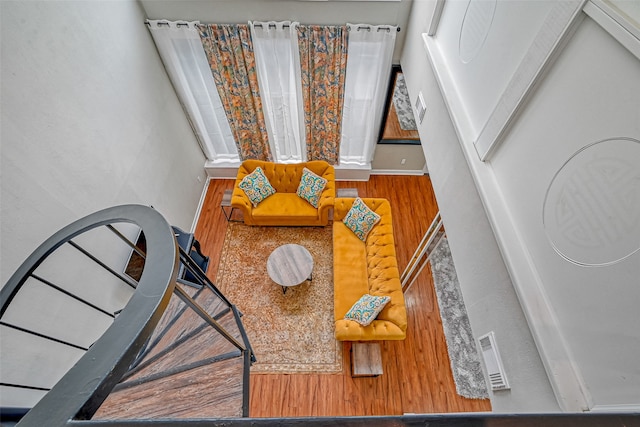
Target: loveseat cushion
351, 279
284, 205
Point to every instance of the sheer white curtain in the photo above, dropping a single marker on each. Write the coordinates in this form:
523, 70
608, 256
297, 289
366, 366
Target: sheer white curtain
275, 46
367, 79
184, 59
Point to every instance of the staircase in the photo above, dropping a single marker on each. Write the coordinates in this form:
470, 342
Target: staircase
187, 363
87, 342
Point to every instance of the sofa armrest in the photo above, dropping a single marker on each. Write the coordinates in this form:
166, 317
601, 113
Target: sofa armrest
239, 199
378, 330
327, 198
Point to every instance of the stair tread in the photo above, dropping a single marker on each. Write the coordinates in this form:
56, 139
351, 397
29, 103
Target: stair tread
223, 382
170, 330
206, 344
185, 356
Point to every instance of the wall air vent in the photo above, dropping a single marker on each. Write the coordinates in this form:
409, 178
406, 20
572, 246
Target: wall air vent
493, 362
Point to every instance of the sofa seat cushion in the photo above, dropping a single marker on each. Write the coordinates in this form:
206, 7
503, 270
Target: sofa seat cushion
284, 205
349, 269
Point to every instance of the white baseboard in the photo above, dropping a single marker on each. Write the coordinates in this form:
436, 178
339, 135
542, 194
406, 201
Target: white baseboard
397, 172
199, 209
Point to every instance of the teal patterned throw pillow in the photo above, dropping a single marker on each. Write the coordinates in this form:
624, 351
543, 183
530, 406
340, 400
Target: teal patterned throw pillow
256, 186
366, 309
360, 219
311, 186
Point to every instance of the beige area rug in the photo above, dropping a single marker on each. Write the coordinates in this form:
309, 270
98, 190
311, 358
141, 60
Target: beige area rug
292, 332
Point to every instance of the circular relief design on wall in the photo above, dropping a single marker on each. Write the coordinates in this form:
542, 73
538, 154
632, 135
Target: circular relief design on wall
591, 212
475, 28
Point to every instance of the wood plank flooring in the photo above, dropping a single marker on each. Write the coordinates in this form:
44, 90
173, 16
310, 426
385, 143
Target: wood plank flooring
417, 377
393, 130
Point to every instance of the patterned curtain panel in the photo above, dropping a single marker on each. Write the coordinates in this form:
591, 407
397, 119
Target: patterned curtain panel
323, 62
230, 53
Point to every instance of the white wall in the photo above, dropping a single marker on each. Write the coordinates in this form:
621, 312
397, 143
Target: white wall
582, 316
89, 120
388, 159
590, 94
490, 299
306, 12
480, 46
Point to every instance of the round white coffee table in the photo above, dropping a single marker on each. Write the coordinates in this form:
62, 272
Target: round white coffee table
290, 265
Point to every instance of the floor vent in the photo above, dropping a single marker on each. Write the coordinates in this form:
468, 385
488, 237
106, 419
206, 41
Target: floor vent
495, 369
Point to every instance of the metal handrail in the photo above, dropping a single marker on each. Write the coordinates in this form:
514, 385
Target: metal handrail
421, 255
81, 391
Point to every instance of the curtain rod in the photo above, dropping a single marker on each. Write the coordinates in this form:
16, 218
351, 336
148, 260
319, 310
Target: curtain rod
368, 28
259, 24
361, 27
168, 24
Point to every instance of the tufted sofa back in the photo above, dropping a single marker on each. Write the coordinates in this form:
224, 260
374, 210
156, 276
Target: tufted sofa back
285, 177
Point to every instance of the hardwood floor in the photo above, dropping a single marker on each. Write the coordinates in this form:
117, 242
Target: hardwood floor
417, 377
392, 129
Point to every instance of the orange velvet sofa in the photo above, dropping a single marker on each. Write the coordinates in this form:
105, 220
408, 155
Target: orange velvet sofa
367, 267
285, 208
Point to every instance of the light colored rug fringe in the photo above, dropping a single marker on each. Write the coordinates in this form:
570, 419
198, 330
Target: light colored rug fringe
292, 332
463, 353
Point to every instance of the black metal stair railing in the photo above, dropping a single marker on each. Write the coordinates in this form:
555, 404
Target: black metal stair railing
79, 393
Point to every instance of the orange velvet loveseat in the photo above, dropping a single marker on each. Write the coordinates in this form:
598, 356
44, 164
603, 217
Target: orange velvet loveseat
368, 267
285, 207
